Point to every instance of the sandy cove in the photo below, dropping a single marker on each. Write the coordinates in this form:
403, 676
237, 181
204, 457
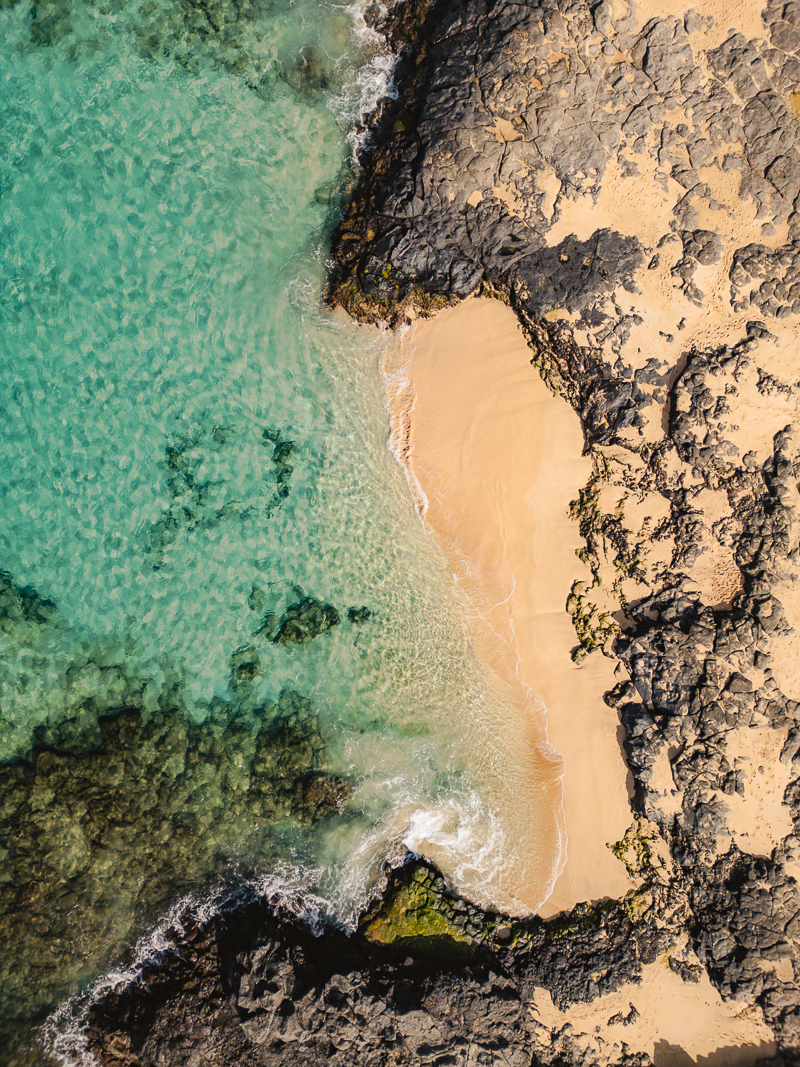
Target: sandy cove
494, 459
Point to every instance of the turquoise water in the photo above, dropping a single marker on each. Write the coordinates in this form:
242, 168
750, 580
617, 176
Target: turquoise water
192, 447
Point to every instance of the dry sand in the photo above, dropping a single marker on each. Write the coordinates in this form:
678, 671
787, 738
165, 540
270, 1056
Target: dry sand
674, 1023
722, 16
494, 460
759, 820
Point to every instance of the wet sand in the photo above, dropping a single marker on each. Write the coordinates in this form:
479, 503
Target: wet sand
494, 460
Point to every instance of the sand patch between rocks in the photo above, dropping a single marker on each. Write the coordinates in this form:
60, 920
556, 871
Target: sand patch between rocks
673, 1021
759, 820
741, 16
494, 460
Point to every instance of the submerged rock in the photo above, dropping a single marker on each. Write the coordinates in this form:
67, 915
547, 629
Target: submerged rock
22, 606
305, 620
318, 794
282, 452
307, 74
97, 844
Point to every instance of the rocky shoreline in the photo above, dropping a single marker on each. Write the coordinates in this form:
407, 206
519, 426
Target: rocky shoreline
519, 135
427, 975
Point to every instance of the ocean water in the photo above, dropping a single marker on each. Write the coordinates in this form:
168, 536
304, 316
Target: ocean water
194, 472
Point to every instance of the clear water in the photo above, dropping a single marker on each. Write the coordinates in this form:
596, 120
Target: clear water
165, 190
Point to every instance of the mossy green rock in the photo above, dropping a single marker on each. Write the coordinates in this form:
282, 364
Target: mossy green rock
412, 920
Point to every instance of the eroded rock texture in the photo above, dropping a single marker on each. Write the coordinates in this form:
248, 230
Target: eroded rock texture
254, 986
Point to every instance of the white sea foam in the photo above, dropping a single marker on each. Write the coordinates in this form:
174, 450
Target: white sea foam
372, 81
399, 402
467, 832
64, 1033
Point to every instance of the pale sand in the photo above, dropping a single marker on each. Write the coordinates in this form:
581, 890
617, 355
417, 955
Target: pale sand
677, 1023
494, 460
759, 820
724, 16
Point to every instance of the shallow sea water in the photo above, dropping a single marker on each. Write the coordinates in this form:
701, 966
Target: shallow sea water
190, 445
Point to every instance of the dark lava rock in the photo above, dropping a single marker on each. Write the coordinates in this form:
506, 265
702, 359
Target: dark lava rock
253, 985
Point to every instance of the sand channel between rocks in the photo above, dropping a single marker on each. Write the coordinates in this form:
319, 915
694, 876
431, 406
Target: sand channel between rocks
494, 460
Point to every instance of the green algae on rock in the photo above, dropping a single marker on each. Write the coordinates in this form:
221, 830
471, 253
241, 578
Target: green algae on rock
414, 918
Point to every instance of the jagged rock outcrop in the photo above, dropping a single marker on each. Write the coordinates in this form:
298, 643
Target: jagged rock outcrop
254, 986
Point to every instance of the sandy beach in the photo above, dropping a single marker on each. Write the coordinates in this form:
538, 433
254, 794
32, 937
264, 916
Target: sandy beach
494, 459
674, 1023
